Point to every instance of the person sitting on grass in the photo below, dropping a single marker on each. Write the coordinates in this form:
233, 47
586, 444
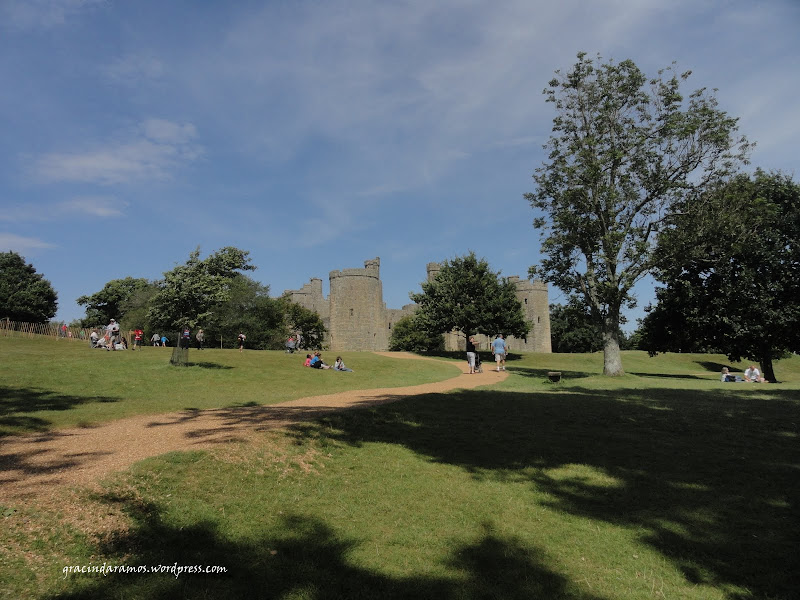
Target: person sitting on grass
753, 375
340, 366
308, 361
316, 362
727, 376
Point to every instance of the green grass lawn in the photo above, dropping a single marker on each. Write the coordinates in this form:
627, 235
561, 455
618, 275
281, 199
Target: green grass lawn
664, 483
47, 383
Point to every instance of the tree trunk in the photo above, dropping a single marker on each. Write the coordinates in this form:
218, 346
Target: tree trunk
766, 366
612, 358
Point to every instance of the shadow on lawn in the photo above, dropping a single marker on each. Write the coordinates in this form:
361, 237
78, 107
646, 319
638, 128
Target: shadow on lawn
307, 559
17, 404
710, 477
209, 365
542, 373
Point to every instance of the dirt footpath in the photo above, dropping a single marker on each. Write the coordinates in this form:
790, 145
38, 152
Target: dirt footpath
34, 465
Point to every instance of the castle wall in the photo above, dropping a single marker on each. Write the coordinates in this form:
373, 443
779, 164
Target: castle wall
310, 296
535, 306
357, 318
358, 315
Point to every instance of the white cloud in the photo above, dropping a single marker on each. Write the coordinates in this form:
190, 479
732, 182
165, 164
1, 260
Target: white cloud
135, 69
167, 132
95, 206
20, 244
160, 148
92, 206
41, 14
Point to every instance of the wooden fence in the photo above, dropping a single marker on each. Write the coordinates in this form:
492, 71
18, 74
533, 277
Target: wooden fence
10, 328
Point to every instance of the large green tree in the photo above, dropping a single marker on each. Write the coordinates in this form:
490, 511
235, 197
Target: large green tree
112, 302
408, 334
572, 329
248, 309
307, 323
624, 148
730, 262
468, 296
25, 295
189, 293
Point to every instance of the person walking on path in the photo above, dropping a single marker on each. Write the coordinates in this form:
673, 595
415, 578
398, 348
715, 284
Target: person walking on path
499, 350
471, 354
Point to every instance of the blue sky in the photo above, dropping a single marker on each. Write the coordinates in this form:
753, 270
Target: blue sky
317, 135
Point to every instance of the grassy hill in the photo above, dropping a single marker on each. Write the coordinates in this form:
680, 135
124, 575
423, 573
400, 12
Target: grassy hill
664, 483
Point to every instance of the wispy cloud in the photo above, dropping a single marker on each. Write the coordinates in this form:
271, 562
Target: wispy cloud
21, 244
159, 148
134, 69
94, 206
81, 206
41, 14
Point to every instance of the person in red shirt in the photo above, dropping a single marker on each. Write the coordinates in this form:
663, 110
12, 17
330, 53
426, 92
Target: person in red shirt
137, 338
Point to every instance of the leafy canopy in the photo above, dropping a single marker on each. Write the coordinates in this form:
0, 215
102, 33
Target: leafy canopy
25, 295
468, 296
189, 293
110, 302
409, 335
623, 150
730, 262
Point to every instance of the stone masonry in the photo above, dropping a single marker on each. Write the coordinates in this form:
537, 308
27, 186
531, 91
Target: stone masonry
357, 318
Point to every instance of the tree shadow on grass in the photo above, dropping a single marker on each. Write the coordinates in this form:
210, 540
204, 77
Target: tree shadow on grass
19, 405
304, 557
713, 366
486, 356
209, 365
542, 373
710, 477
669, 376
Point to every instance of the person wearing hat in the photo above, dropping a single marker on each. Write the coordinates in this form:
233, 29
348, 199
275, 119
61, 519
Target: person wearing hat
112, 333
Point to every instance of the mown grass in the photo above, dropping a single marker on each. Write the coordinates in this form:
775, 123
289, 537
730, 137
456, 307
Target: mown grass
661, 484
46, 384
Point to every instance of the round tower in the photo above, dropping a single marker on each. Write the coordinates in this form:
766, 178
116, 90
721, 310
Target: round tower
358, 319
533, 296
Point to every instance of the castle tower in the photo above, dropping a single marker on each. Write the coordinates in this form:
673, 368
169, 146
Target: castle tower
433, 270
358, 317
536, 307
310, 296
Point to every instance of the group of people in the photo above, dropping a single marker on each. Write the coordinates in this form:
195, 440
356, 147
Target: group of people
186, 338
159, 340
315, 362
294, 343
111, 340
499, 350
751, 375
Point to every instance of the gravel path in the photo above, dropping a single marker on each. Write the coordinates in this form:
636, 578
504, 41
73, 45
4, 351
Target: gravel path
38, 465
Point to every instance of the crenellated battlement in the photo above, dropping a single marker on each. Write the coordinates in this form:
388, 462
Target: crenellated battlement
357, 318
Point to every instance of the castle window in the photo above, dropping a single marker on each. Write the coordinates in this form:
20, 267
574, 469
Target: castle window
526, 300
538, 319
351, 312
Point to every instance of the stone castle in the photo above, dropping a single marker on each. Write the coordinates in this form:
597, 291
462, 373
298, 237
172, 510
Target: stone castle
357, 318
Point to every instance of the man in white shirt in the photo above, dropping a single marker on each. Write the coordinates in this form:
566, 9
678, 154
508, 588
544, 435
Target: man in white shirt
753, 375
